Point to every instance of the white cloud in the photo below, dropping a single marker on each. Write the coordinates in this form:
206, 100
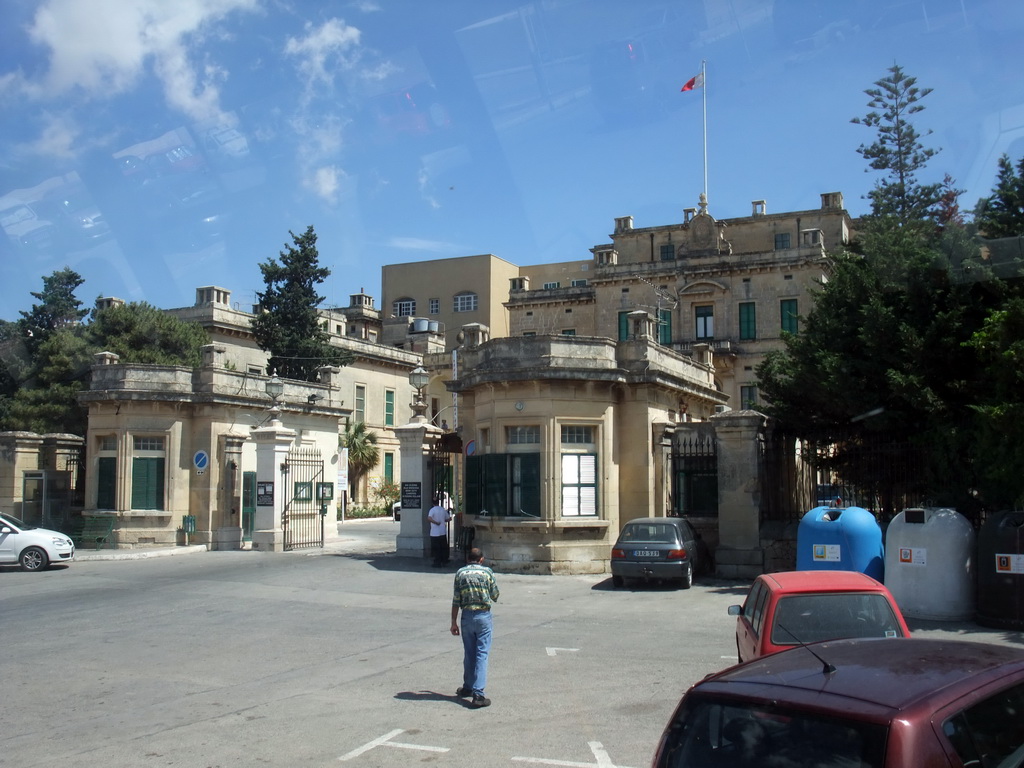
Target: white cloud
322, 50
419, 244
101, 48
324, 182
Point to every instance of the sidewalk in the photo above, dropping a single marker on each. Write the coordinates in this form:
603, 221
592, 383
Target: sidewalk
376, 535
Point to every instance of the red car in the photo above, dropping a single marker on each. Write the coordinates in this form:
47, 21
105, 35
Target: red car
868, 703
798, 607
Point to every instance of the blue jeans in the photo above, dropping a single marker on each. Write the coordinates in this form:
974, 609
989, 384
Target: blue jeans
476, 644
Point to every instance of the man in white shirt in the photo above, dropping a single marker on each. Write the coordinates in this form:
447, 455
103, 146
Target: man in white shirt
438, 518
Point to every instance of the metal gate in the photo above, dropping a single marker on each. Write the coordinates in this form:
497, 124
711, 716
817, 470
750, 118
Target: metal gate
305, 507
695, 474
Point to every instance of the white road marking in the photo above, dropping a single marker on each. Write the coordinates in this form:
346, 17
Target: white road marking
600, 755
554, 651
385, 741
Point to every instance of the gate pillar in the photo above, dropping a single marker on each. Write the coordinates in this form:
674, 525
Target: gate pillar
415, 440
272, 444
739, 553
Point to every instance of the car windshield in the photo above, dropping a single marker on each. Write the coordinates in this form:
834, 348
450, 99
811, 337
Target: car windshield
660, 533
709, 733
827, 616
12, 520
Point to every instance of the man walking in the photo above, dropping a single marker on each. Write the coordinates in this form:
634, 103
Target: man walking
438, 517
475, 592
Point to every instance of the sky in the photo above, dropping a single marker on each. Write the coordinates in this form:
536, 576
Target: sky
155, 147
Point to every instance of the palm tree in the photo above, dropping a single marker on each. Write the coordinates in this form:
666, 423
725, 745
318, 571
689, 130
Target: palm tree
362, 452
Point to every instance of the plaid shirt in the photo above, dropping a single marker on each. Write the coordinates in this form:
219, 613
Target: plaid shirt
475, 588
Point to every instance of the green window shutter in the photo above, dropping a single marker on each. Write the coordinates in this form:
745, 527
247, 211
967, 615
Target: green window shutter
748, 321
623, 326
526, 484
788, 310
147, 483
106, 482
389, 467
664, 326
474, 484
389, 408
495, 490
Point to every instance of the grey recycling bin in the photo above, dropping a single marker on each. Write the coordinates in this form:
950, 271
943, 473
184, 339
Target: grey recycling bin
929, 564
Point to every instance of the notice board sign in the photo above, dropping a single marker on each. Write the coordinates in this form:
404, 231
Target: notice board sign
265, 494
412, 496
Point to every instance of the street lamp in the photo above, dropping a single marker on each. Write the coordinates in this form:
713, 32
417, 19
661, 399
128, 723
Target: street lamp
419, 379
275, 388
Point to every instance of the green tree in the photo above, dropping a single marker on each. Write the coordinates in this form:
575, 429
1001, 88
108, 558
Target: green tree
58, 307
362, 452
141, 333
897, 150
1001, 214
288, 325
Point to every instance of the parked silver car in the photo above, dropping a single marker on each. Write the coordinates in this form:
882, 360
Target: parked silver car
30, 547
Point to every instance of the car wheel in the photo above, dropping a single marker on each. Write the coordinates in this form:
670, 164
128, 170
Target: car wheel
618, 581
687, 581
33, 559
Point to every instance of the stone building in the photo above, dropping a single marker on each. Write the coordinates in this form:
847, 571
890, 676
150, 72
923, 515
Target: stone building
575, 402
166, 442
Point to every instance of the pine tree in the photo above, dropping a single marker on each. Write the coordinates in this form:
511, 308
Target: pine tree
898, 150
288, 325
58, 307
1002, 213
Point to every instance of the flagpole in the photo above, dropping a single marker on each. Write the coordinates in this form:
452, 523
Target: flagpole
704, 96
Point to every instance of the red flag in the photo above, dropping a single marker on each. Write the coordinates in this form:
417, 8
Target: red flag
694, 82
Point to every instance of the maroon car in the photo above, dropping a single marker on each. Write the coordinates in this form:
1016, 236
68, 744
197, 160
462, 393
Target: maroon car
864, 703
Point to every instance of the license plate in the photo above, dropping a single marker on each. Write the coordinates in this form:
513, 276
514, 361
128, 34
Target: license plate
645, 553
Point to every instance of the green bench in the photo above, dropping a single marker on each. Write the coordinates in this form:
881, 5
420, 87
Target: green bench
94, 530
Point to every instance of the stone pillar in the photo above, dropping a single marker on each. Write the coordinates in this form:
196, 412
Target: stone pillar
228, 533
272, 444
19, 451
739, 553
415, 440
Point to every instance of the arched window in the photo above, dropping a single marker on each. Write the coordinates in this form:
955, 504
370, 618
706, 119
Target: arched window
404, 307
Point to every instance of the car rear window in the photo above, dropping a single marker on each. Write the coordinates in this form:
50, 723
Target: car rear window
655, 532
990, 733
709, 733
828, 616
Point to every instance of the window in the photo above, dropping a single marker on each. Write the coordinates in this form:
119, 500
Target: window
148, 465
503, 484
668, 252
579, 283
435, 306
520, 435
990, 732
623, 326
577, 434
529, 333
465, 302
748, 321
705, 320
389, 467
359, 412
389, 407
404, 308
568, 331
551, 286
664, 326
787, 309
748, 397
579, 485
782, 241
106, 473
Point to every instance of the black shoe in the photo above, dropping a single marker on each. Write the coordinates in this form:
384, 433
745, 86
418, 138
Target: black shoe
464, 692
480, 701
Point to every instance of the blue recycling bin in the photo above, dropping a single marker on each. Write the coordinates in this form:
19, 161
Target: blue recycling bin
840, 539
